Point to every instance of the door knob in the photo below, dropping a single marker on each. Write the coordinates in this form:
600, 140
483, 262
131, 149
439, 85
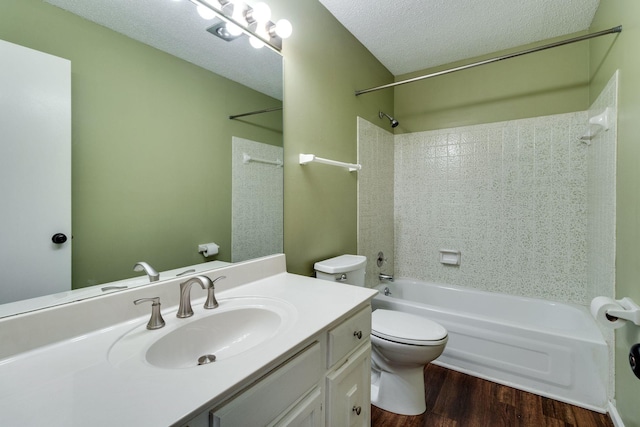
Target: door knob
58, 238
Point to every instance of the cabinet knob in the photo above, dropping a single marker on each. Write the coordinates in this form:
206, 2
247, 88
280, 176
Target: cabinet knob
358, 334
357, 409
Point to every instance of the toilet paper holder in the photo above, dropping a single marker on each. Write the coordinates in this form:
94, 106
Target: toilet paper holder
208, 249
631, 311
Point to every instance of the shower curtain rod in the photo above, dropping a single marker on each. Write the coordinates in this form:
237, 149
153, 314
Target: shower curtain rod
266, 110
613, 30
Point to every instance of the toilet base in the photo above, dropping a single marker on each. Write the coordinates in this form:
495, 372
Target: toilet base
400, 392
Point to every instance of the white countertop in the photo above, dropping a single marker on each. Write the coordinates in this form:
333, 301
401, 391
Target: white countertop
72, 382
37, 303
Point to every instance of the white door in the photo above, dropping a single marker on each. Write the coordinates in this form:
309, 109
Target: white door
35, 173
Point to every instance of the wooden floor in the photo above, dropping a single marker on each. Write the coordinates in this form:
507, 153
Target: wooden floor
458, 400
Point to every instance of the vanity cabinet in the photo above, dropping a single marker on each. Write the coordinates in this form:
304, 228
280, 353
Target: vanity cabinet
348, 382
349, 391
326, 383
288, 390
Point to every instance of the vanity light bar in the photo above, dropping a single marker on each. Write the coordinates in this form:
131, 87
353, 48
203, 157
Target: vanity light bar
248, 21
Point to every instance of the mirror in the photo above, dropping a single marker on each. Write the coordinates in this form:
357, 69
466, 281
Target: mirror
151, 134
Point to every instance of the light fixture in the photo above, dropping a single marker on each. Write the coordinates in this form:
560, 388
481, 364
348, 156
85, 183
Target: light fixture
239, 18
255, 43
238, 15
283, 28
204, 11
220, 30
261, 13
262, 32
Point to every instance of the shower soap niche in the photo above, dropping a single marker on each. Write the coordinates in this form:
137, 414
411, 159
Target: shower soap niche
450, 257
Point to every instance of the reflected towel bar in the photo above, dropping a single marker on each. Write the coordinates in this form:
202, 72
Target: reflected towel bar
247, 158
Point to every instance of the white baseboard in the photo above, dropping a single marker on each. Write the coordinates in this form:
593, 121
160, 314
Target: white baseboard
615, 416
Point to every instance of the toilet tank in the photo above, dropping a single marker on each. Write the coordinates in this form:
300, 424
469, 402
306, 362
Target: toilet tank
344, 269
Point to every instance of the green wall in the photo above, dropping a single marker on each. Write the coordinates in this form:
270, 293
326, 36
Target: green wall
133, 103
324, 66
608, 54
552, 81
151, 144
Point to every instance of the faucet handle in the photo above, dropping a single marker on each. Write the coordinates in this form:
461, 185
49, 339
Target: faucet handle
156, 321
211, 301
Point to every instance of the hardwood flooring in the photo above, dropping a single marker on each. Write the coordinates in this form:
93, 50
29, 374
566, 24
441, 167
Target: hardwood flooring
458, 400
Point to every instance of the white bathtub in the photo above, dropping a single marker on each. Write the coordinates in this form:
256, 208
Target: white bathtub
551, 349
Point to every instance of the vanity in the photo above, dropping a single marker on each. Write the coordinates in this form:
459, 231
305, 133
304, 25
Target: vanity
289, 351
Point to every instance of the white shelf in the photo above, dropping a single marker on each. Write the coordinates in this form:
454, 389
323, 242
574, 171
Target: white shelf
312, 158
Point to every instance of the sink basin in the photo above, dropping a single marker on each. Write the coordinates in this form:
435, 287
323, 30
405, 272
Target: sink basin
210, 336
223, 334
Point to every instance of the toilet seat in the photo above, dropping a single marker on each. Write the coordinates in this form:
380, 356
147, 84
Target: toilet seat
406, 328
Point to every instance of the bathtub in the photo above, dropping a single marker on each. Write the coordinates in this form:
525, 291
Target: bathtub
547, 348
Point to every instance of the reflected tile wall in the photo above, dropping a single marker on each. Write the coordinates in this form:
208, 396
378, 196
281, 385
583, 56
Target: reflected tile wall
256, 201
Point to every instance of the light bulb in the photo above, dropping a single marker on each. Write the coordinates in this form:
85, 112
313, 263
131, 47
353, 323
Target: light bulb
205, 12
261, 12
238, 16
238, 11
283, 28
257, 44
233, 29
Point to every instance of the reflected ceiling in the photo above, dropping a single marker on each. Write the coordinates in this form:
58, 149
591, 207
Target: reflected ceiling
176, 28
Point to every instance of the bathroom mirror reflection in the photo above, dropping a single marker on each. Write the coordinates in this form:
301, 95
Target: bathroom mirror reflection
151, 142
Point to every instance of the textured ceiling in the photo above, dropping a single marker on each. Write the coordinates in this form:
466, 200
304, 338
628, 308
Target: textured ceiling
405, 35
176, 28
411, 35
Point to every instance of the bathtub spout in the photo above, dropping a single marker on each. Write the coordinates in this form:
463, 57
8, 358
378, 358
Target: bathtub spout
387, 277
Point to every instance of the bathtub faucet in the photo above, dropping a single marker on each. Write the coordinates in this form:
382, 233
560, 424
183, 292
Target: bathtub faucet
387, 277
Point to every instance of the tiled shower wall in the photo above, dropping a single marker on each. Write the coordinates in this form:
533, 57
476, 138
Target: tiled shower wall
601, 196
514, 197
510, 196
256, 201
375, 199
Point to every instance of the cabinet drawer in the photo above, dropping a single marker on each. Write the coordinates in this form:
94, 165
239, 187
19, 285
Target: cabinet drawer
307, 413
348, 335
349, 391
265, 401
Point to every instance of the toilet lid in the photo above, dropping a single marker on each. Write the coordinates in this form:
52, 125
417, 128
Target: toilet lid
405, 327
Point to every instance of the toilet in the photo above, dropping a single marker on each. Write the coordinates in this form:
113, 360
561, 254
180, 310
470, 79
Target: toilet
402, 344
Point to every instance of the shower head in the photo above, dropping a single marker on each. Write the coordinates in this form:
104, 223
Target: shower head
393, 121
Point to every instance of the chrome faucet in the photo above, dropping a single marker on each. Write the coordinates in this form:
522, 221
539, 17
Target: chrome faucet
185, 310
387, 277
151, 272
